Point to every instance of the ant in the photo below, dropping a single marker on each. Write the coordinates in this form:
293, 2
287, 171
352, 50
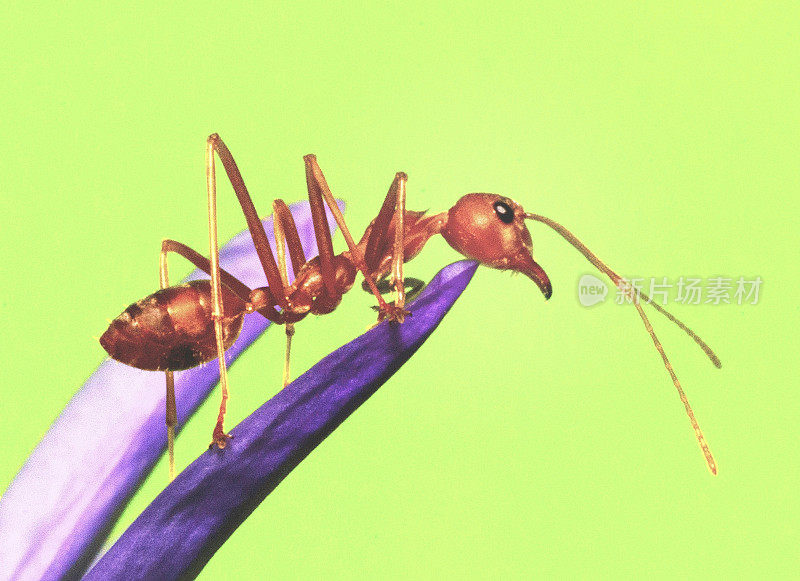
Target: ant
180, 327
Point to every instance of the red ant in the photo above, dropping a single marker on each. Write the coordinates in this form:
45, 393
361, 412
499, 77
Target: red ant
183, 326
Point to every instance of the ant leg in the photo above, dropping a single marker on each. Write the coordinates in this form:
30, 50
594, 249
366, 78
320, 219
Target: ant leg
231, 282
320, 194
215, 144
219, 437
398, 253
321, 230
172, 412
240, 289
286, 233
377, 242
284, 221
289, 327
265, 256
393, 205
236, 286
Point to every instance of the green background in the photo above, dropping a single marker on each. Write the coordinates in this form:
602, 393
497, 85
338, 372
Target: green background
526, 438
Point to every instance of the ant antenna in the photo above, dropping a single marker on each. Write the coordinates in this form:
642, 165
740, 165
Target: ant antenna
634, 295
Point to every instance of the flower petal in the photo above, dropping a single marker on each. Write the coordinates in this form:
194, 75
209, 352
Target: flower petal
60, 507
184, 526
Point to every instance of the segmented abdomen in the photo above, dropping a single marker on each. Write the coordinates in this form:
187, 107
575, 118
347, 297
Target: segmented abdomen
173, 329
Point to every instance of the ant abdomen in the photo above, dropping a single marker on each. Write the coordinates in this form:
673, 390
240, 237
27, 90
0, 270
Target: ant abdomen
173, 329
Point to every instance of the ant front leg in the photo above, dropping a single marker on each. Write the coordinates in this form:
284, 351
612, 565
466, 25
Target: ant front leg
398, 253
393, 205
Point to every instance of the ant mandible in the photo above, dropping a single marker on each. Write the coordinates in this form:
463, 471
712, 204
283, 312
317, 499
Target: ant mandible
180, 327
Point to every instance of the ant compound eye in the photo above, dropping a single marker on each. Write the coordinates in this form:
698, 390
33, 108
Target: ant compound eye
504, 212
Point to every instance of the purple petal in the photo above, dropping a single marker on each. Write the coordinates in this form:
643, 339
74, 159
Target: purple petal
59, 508
183, 527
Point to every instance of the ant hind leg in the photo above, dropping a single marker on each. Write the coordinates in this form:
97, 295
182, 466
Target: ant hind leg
172, 410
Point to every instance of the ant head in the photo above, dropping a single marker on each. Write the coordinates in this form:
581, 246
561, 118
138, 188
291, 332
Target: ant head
491, 229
